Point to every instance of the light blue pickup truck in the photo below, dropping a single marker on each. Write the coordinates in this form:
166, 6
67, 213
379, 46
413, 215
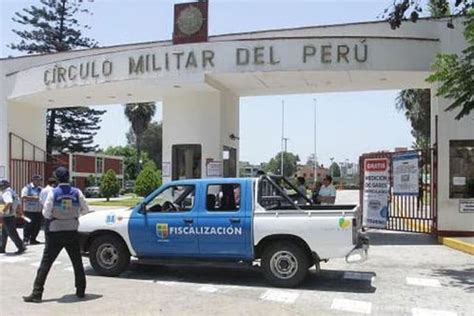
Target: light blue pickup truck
241, 220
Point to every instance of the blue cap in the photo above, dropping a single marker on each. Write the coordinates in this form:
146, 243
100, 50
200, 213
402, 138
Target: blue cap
4, 184
62, 174
36, 177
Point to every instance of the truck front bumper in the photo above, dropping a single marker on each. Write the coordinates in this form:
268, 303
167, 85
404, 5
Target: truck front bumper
360, 251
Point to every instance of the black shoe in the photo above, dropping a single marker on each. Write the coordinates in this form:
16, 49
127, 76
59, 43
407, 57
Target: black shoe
80, 293
35, 242
2, 251
32, 298
20, 251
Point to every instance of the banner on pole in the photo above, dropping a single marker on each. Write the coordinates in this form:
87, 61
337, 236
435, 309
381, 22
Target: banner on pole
376, 191
405, 174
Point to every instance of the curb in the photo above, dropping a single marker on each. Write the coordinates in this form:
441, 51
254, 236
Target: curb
457, 244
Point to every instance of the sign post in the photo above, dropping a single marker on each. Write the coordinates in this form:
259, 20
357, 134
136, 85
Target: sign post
376, 191
406, 174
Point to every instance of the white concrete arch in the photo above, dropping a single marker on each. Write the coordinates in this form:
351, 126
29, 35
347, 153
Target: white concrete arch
200, 84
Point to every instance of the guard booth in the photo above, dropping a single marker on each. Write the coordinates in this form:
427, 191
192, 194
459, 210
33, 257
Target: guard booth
398, 190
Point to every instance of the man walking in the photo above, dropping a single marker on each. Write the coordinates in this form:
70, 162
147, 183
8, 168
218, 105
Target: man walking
51, 184
62, 209
11, 203
32, 208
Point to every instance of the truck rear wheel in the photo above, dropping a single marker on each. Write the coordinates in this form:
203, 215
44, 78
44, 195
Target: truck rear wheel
285, 264
109, 255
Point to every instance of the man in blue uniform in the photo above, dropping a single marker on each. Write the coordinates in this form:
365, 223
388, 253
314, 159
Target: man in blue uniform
10, 206
62, 209
32, 208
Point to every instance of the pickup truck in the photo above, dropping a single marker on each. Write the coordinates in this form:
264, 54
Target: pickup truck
241, 220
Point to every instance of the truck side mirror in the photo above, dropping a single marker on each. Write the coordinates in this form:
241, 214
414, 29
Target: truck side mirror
142, 208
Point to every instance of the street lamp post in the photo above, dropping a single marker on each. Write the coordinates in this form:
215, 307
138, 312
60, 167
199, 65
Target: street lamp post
283, 142
315, 167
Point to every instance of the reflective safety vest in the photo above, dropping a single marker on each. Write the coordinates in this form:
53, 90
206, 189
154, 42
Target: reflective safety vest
66, 209
16, 202
33, 206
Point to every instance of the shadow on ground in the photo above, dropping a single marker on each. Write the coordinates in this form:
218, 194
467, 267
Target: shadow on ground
383, 237
72, 298
325, 280
462, 278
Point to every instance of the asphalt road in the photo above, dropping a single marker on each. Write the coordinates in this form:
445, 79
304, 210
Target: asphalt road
406, 274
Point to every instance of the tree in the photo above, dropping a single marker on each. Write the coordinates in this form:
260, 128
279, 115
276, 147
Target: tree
147, 181
401, 10
109, 184
91, 181
335, 170
129, 153
49, 28
455, 74
152, 141
416, 103
139, 115
290, 162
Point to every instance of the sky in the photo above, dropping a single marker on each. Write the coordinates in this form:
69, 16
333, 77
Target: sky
347, 124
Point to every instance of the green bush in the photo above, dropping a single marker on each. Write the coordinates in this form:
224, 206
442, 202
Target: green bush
91, 181
147, 181
109, 184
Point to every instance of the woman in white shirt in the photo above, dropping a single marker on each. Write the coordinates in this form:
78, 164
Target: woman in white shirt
327, 192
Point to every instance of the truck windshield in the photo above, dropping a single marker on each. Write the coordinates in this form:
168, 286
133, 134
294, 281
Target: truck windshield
179, 198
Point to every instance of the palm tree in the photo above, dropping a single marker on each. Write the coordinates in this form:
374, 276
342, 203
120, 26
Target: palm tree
139, 115
416, 103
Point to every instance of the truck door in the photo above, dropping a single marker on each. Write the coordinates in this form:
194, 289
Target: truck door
225, 221
164, 225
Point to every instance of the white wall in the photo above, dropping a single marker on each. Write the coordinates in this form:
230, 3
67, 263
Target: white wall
3, 135
449, 217
205, 118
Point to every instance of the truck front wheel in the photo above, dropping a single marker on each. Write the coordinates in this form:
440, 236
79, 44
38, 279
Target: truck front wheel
109, 255
284, 264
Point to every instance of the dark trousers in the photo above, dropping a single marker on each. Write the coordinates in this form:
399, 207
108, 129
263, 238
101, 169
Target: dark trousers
32, 229
55, 242
9, 230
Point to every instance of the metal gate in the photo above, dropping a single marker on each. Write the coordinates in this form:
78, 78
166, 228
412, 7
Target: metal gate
26, 160
411, 213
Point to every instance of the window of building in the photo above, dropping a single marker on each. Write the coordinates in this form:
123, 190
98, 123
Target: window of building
177, 198
99, 165
230, 162
186, 162
461, 169
223, 197
74, 163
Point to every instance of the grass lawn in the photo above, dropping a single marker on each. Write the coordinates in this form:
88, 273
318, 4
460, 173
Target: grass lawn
129, 202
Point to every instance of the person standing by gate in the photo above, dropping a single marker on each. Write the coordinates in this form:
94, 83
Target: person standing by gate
32, 209
51, 184
11, 203
62, 209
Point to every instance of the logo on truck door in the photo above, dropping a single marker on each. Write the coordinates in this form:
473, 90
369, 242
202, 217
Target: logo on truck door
344, 223
162, 230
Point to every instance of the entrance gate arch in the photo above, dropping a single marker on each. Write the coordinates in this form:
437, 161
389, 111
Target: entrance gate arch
200, 84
